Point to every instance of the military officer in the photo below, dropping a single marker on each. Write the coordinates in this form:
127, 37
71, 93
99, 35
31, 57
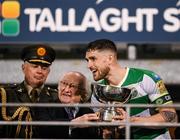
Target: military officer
36, 67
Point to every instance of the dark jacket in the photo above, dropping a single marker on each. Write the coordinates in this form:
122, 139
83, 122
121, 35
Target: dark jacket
19, 94
85, 133
62, 132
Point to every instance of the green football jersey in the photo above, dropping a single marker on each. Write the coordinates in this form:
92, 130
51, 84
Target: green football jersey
147, 88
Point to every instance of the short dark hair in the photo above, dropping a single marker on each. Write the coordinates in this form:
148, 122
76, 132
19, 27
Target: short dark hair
102, 44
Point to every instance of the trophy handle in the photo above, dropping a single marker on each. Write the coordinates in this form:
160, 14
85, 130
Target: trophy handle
127, 99
93, 88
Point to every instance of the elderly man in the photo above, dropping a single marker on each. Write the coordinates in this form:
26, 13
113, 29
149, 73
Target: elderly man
36, 67
71, 89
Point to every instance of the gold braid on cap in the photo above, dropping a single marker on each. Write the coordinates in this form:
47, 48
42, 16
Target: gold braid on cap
18, 113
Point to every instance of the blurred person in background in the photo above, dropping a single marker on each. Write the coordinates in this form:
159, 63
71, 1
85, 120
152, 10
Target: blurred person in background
71, 90
101, 56
36, 67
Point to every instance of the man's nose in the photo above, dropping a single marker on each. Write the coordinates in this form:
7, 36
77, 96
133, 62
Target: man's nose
39, 69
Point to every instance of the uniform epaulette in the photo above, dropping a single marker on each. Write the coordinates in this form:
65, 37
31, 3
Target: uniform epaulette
52, 89
53, 93
6, 86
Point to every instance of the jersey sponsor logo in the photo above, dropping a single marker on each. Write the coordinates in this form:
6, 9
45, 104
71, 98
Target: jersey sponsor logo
163, 99
161, 87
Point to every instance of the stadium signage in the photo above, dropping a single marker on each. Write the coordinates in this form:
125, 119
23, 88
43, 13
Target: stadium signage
109, 20
123, 21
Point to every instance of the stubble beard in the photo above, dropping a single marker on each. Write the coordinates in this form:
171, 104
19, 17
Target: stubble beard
102, 74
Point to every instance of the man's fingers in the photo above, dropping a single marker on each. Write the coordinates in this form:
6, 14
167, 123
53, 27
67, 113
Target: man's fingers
118, 117
121, 111
92, 116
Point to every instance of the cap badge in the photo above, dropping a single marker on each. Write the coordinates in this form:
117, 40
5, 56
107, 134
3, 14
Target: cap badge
41, 51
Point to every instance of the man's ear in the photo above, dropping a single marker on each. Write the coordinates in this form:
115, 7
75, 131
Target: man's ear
22, 66
49, 70
110, 58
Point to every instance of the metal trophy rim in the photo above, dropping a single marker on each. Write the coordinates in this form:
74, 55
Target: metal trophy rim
105, 97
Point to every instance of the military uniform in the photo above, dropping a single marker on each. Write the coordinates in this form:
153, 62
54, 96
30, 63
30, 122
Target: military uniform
37, 54
19, 94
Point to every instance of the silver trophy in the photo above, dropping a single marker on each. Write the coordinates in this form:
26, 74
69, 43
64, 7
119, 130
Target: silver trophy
110, 95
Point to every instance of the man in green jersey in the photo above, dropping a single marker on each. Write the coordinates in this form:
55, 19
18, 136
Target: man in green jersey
101, 56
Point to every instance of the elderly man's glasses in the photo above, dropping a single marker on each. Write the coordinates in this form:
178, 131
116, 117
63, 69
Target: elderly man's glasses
70, 85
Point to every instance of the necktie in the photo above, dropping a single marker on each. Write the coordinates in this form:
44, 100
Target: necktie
70, 112
34, 95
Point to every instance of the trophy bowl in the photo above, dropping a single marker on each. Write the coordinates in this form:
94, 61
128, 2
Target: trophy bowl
110, 95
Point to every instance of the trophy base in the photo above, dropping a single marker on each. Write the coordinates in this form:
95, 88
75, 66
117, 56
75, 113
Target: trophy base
107, 115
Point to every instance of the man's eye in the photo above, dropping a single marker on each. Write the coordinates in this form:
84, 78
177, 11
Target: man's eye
73, 86
44, 68
34, 66
93, 59
63, 83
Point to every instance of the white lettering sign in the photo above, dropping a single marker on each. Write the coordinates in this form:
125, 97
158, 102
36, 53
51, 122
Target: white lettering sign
108, 20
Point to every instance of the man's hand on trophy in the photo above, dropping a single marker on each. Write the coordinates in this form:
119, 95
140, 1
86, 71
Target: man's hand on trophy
121, 114
86, 118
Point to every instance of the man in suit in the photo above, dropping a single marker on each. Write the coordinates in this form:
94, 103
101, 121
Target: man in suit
71, 89
36, 67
